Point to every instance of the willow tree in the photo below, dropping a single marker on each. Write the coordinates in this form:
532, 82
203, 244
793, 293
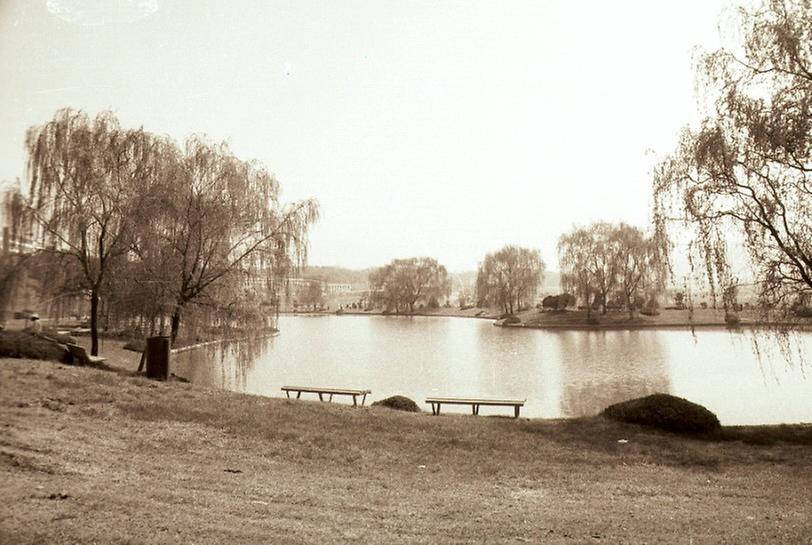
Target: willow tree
510, 277
743, 175
640, 271
589, 262
610, 261
575, 260
86, 179
213, 224
11, 258
404, 283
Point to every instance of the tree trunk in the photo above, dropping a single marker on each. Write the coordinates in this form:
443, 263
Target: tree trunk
175, 326
94, 322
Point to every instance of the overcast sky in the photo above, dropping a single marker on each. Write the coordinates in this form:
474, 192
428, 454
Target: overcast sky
436, 128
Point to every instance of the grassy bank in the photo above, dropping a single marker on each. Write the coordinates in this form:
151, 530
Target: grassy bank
97, 456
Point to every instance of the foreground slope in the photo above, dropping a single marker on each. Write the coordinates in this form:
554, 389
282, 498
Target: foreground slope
96, 456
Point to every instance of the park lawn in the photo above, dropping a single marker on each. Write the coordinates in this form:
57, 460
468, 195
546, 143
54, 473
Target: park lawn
95, 456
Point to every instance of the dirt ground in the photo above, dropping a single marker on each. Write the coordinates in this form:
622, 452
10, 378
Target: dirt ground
92, 456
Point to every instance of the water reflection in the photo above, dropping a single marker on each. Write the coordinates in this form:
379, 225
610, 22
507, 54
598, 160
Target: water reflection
225, 365
599, 368
561, 374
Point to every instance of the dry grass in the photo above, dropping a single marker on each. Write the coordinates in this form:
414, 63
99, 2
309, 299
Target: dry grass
93, 456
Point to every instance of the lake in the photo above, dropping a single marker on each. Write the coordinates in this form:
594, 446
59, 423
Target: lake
560, 373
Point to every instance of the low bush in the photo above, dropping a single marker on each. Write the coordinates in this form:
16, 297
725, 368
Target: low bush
803, 312
732, 319
666, 412
511, 319
399, 403
21, 344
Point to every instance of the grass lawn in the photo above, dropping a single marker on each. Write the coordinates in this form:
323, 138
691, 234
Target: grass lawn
94, 456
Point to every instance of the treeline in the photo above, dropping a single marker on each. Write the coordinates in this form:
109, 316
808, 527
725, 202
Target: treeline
602, 266
155, 230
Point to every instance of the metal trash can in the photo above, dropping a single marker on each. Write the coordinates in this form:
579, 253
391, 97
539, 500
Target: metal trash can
158, 358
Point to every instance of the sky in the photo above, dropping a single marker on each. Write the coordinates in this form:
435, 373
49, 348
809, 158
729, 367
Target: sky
423, 128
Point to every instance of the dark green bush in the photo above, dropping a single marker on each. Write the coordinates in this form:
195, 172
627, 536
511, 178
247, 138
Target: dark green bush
666, 412
399, 403
21, 344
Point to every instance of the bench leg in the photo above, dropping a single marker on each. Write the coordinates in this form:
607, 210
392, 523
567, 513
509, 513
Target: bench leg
475, 409
298, 395
287, 394
331, 398
363, 400
321, 398
516, 411
354, 400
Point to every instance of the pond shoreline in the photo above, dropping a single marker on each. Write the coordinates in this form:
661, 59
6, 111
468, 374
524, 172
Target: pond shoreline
554, 324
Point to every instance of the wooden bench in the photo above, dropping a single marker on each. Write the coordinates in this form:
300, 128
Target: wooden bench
327, 391
81, 354
436, 402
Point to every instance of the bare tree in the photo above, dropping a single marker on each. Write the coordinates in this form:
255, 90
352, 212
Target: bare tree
745, 171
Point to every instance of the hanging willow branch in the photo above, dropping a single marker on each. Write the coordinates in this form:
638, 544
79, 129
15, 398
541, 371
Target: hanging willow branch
743, 176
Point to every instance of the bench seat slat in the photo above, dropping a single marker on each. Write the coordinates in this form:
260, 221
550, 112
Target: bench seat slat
472, 401
80, 353
314, 390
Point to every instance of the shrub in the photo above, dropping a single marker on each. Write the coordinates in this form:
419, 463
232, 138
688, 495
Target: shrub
732, 319
666, 412
399, 403
20, 344
803, 312
511, 319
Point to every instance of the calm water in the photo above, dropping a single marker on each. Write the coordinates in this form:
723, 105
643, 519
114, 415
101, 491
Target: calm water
561, 374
